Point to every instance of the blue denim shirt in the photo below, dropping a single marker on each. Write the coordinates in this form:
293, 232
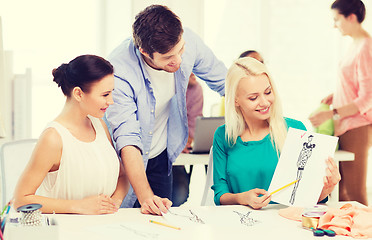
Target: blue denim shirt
132, 116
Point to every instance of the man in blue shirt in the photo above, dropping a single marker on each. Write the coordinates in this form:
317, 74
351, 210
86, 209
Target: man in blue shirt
148, 119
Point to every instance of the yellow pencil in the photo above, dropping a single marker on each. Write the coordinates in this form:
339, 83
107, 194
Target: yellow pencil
289, 184
165, 225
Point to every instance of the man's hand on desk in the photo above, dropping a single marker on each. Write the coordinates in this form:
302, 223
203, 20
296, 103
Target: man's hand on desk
155, 205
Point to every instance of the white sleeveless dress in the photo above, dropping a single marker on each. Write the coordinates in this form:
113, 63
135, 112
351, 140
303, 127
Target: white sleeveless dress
86, 168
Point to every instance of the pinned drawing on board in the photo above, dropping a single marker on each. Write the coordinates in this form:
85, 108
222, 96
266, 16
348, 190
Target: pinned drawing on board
302, 162
305, 154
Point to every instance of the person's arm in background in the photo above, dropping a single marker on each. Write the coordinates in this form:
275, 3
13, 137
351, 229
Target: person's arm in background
126, 132
194, 102
362, 103
320, 117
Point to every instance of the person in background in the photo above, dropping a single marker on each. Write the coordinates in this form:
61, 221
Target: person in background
252, 54
248, 53
74, 166
194, 105
149, 116
352, 100
247, 148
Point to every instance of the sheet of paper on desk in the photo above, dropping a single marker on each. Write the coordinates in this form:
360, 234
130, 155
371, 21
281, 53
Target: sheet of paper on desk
302, 158
242, 216
135, 231
183, 217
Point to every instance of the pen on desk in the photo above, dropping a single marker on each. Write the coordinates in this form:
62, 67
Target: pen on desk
165, 225
289, 184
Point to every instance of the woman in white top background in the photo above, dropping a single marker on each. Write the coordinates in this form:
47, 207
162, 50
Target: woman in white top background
74, 167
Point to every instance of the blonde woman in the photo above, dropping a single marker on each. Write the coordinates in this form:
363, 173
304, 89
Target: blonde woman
246, 149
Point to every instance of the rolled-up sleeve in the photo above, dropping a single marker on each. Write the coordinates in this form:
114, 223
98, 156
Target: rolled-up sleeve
364, 77
207, 67
122, 116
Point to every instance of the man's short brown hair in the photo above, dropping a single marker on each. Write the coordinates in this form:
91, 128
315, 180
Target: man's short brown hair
156, 29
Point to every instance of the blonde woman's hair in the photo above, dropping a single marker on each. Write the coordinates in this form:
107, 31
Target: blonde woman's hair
234, 121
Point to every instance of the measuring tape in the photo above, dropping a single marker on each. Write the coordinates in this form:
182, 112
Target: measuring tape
31, 215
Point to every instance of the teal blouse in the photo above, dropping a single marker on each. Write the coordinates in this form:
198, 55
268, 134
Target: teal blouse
246, 165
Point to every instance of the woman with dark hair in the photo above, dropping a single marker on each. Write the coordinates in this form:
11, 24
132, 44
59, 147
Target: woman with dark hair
74, 167
352, 101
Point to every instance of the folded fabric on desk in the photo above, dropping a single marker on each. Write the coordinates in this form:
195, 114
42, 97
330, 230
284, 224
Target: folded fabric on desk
292, 213
348, 220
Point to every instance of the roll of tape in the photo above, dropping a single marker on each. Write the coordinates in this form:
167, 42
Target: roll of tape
310, 222
311, 216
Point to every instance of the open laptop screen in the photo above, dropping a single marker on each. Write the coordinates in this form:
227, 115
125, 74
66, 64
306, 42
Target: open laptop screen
204, 132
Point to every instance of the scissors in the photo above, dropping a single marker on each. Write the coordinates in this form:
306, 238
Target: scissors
319, 232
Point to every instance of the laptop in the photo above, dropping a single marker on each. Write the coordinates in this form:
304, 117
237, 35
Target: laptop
204, 132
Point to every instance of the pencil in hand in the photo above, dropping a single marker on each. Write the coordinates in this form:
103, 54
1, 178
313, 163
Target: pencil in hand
285, 186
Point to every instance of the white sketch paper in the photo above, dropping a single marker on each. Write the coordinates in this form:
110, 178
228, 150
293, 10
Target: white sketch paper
246, 218
302, 158
185, 217
194, 223
131, 230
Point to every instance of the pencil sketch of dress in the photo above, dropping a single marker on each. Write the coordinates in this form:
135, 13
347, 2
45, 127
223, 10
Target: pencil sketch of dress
304, 156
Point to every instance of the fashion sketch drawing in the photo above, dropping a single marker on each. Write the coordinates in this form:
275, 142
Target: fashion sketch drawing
305, 154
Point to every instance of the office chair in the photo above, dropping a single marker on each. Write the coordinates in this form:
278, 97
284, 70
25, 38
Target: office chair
14, 156
208, 195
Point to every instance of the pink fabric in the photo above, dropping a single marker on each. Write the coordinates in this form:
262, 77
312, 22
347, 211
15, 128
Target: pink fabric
194, 104
292, 213
355, 85
349, 220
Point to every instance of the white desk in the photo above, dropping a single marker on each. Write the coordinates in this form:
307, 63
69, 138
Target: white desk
271, 225
191, 159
